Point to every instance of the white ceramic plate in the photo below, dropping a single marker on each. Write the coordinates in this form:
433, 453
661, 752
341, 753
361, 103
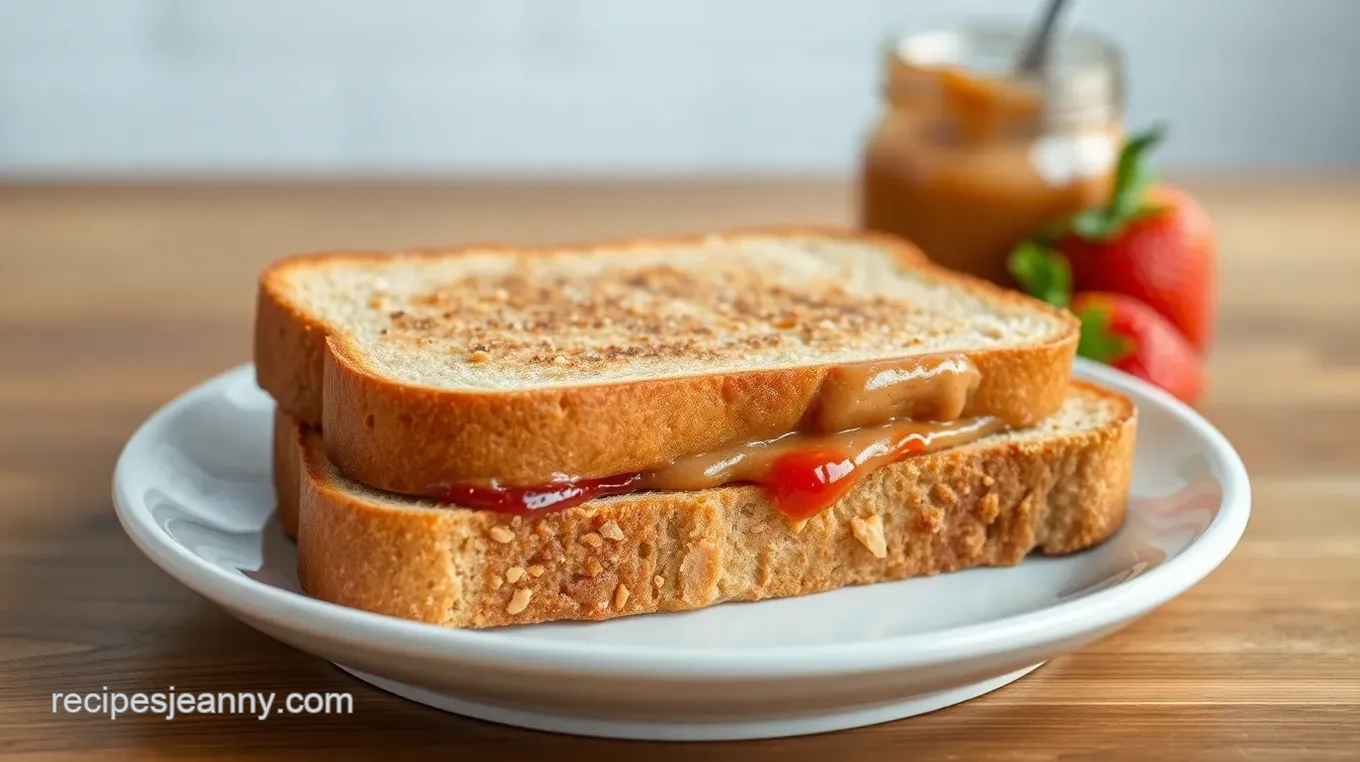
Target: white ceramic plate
192, 489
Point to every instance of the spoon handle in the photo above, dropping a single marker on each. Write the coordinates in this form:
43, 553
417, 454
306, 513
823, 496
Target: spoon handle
1035, 56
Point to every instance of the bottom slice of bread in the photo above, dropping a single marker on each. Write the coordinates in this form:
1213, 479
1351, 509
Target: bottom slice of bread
1058, 487
286, 470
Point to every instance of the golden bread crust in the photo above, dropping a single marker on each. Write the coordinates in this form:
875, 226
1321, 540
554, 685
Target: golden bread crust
286, 470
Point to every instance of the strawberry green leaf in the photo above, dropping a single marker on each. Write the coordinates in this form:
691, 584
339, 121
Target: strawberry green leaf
1132, 179
1132, 176
1093, 225
1147, 211
1097, 341
1042, 272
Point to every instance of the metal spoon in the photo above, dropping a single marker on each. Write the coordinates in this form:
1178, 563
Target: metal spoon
1035, 56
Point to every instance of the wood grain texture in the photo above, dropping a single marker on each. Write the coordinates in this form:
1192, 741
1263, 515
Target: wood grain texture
115, 298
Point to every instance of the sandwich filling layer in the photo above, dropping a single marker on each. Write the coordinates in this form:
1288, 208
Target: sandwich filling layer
866, 416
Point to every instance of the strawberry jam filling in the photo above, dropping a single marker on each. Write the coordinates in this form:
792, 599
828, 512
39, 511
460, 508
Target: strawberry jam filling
865, 416
802, 474
802, 484
557, 496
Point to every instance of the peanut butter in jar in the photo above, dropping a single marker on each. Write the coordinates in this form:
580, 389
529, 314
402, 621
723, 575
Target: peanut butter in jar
969, 158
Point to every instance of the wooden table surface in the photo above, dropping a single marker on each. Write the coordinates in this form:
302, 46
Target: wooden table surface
113, 299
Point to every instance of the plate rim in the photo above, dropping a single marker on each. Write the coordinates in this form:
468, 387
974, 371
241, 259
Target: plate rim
1101, 610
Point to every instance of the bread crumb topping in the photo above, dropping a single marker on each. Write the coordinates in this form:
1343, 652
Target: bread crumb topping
592, 539
869, 532
513, 574
519, 601
989, 507
611, 531
501, 534
621, 596
699, 573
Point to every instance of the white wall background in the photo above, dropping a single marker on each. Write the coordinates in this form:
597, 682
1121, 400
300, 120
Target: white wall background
120, 87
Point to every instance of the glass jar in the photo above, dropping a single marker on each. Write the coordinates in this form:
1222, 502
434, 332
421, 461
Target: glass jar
969, 158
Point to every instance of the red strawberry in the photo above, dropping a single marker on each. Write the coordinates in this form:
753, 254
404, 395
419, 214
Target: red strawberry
1116, 329
1155, 244
1127, 334
1165, 258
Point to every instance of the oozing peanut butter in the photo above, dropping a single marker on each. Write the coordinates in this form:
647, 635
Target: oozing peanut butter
865, 416
934, 388
865, 449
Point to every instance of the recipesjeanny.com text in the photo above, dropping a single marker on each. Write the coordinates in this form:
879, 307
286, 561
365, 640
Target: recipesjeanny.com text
172, 703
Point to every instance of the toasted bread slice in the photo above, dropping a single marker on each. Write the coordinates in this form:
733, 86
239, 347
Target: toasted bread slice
482, 363
1057, 487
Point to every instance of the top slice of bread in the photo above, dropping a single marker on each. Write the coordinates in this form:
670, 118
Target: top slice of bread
432, 366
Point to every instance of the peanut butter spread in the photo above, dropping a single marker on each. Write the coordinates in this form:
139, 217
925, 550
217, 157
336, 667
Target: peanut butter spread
865, 416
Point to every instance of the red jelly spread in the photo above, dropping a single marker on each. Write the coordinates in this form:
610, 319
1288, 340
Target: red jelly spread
864, 418
803, 474
804, 483
557, 496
